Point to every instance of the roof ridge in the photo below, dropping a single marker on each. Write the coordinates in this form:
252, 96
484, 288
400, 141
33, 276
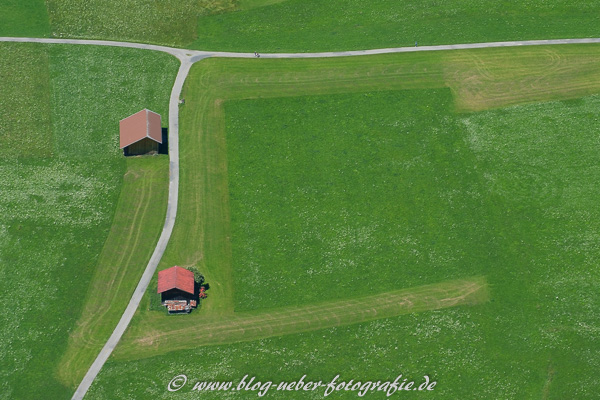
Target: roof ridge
147, 124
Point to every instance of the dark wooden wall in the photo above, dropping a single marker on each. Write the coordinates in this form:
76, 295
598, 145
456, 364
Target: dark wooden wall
176, 294
142, 147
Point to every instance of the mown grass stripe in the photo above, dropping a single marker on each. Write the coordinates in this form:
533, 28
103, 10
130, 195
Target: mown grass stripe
135, 228
162, 338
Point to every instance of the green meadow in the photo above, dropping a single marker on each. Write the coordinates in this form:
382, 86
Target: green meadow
428, 213
24, 18
343, 195
166, 22
534, 338
303, 26
62, 174
488, 172
299, 25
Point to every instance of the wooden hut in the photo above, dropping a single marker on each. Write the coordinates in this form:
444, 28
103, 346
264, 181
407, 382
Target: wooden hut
140, 133
177, 289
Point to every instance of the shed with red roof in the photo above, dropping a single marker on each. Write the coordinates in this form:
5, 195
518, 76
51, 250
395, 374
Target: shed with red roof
176, 278
140, 133
177, 289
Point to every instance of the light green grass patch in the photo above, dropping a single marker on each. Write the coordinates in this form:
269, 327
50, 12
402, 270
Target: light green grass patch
155, 337
137, 223
498, 77
249, 4
148, 21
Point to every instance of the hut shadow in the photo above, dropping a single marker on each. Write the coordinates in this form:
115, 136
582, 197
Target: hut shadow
163, 148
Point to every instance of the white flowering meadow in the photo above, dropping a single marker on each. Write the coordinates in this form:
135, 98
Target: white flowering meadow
60, 177
166, 22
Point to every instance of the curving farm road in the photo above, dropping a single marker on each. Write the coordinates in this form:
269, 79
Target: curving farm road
187, 59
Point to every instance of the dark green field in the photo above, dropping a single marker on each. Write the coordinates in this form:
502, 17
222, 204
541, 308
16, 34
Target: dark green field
351, 194
24, 18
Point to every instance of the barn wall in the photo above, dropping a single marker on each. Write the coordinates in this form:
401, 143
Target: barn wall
176, 294
142, 147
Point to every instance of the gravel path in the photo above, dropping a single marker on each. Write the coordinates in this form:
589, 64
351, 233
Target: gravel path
134, 302
188, 58
197, 55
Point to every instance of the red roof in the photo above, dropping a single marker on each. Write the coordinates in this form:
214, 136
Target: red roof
176, 278
141, 125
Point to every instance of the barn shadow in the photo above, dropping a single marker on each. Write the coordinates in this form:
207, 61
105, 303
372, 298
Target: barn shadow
164, 147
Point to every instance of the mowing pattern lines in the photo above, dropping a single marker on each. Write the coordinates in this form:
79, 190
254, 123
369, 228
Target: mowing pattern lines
358, 53
204, 176
149, 342
502, 77
135, 224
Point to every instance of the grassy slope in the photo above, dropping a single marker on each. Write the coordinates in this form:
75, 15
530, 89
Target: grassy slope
59, 191
301, 25
24, 18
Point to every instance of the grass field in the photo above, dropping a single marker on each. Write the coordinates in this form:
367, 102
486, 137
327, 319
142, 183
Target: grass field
320, 193
295, 175
24, 18
158, 336
531, 195
136, 226
60, 184
166, 22
299, 25
25, 102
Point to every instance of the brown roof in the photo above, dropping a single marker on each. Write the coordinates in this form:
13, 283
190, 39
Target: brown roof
176, 278
142, 124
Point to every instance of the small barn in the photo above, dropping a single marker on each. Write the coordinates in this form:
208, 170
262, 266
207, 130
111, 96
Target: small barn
140, 133
177, 289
